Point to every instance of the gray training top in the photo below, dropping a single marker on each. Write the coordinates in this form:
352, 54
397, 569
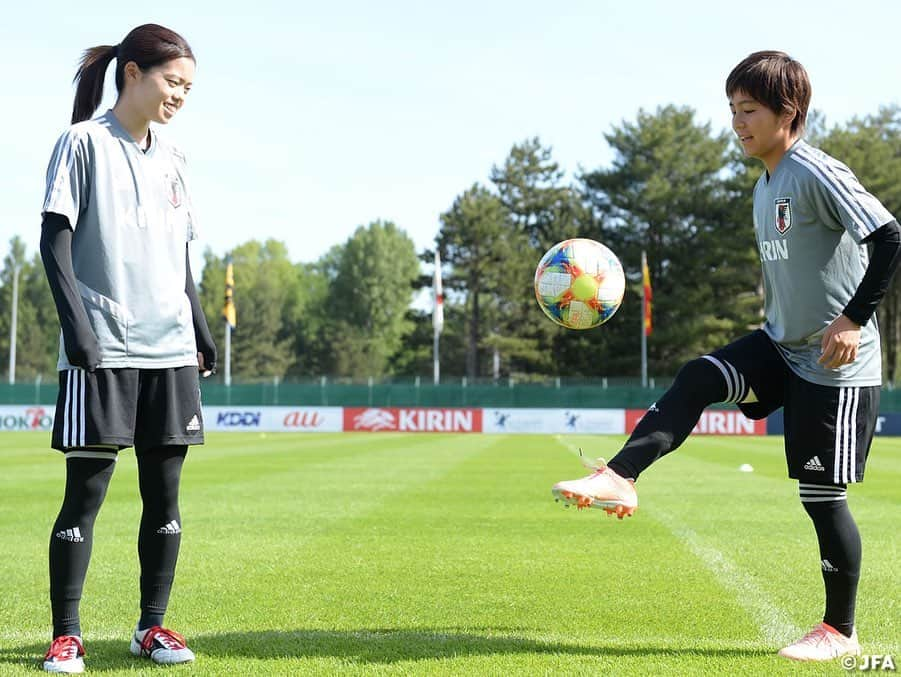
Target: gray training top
131, 216
810, 217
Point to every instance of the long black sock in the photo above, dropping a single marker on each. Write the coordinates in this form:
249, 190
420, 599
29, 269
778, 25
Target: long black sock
840, 551
159, 473
72, 537
669, 421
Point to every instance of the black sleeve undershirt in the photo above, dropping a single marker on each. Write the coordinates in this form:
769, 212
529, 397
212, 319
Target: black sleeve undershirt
202, 335
56, 253
885, 258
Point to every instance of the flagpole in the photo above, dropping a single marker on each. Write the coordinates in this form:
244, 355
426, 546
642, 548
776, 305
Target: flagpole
436, 362
228, 354
13, 322
644, 331
437, 319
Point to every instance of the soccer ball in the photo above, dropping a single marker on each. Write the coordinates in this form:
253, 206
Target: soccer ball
579, 283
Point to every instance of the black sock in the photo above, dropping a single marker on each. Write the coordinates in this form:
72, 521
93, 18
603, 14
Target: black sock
72, 538
840, 552
159, 473
669, 421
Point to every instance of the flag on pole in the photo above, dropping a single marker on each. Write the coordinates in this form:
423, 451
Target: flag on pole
228, 310
647, 295
438, 307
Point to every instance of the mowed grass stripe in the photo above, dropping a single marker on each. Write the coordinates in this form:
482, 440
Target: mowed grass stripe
457, 563
763, 527
774, 624
757, 522
488, 538
238, 521
292, 483
282, 517
776, 627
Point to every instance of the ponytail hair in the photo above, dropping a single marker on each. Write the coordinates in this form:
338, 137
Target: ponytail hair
89, 78
148, 46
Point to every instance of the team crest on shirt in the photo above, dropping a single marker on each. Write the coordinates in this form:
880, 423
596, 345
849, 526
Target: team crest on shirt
174, 191
783, 214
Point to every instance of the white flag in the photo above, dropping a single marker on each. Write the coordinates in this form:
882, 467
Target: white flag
438, 308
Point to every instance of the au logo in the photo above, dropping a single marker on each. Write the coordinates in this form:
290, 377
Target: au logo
783, 214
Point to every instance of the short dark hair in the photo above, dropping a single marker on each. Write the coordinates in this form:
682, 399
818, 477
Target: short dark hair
777, 81
148, 46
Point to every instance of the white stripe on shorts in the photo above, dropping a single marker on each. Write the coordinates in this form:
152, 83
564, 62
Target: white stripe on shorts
82, 379
845, 461
74, 409
852, 456
66, 406
839, 428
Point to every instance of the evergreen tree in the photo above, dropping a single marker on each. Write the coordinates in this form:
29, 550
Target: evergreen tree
312, 356
371, 283
667, 193
37, 325
531, 186
484, 250
545, 210
266, 302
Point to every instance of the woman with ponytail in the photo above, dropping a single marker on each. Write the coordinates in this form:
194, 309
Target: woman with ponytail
117, 220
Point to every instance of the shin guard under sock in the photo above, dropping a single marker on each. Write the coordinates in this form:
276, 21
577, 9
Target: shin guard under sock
159, 538
72, 537
840, 551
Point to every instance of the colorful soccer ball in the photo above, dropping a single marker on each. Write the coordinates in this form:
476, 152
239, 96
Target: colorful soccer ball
579, 283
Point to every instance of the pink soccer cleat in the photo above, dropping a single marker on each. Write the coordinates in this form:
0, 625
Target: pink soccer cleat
823, 643
602, 489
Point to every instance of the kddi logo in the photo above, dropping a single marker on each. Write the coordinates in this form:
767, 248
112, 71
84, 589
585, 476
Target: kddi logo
238, 419
33, 418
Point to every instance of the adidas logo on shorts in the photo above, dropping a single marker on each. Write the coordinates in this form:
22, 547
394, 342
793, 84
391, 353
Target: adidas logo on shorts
171, 528
814, 464
193, 424
72, 535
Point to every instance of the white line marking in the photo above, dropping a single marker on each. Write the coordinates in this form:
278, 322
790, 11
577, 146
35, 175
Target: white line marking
774, 624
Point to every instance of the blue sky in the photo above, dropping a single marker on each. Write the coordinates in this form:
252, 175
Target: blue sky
308, 119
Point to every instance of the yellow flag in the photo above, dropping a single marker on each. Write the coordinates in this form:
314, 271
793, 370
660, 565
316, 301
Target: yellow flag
647, 295
228, 311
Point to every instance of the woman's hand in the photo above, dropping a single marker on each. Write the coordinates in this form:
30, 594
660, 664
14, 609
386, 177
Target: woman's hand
840, 343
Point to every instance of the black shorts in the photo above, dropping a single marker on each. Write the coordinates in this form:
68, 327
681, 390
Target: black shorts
118, 408
828, 429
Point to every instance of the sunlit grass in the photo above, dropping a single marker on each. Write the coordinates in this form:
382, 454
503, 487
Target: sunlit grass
432, 553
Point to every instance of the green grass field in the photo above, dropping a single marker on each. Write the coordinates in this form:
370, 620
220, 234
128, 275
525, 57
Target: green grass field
445, 554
